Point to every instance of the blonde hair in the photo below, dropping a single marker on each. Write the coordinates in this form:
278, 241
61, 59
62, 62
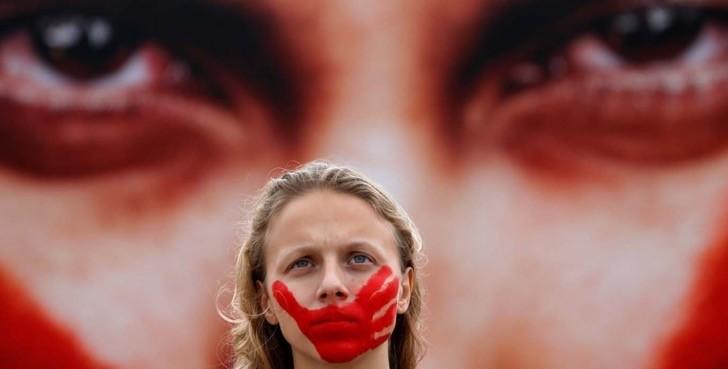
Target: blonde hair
260, 345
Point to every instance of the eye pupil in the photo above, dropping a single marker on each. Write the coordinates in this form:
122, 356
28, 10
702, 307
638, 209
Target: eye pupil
82, 47
652, 34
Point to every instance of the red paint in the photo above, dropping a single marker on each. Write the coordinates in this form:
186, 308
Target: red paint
29, 340
702, 342
341, 333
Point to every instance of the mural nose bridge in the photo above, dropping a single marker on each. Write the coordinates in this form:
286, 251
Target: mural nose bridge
381, 145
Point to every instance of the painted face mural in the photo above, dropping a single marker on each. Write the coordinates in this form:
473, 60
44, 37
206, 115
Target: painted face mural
564, 160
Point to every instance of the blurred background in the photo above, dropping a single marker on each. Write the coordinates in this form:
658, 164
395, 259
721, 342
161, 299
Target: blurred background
564, 160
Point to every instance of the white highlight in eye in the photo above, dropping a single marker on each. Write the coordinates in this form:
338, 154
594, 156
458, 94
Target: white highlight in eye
62, 34
659, 18
99, 31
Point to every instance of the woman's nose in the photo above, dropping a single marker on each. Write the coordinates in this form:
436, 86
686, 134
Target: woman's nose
332, 289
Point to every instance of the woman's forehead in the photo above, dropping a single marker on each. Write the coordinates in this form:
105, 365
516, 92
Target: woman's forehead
326, 220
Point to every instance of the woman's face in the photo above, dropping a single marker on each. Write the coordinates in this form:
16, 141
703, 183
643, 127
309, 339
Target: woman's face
333, 278
571, 190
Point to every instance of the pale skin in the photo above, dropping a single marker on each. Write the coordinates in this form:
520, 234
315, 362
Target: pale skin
588, 264
325, 254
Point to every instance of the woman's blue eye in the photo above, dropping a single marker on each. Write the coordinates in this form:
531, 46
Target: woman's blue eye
360, 259
301, 263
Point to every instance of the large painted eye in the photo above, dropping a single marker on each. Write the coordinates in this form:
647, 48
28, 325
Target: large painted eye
81, 46
630, 87
655, 34
88, 92
73, 61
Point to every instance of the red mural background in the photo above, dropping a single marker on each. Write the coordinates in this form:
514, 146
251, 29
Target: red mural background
564, 160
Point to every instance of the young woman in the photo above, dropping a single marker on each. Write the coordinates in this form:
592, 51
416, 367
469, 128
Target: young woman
328, 276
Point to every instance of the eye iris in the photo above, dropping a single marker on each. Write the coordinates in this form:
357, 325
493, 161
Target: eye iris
359, 259
301, 263
82, 47
651, 34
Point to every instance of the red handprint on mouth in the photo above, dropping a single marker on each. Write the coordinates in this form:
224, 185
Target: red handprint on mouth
341, 333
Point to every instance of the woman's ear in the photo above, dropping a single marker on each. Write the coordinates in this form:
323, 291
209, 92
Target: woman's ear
265, 304
405, 294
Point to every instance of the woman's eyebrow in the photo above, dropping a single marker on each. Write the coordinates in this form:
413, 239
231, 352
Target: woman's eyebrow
359, 244
296, 251
364, 245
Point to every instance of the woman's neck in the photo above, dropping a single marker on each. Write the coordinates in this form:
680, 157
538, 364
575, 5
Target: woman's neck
377, 358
